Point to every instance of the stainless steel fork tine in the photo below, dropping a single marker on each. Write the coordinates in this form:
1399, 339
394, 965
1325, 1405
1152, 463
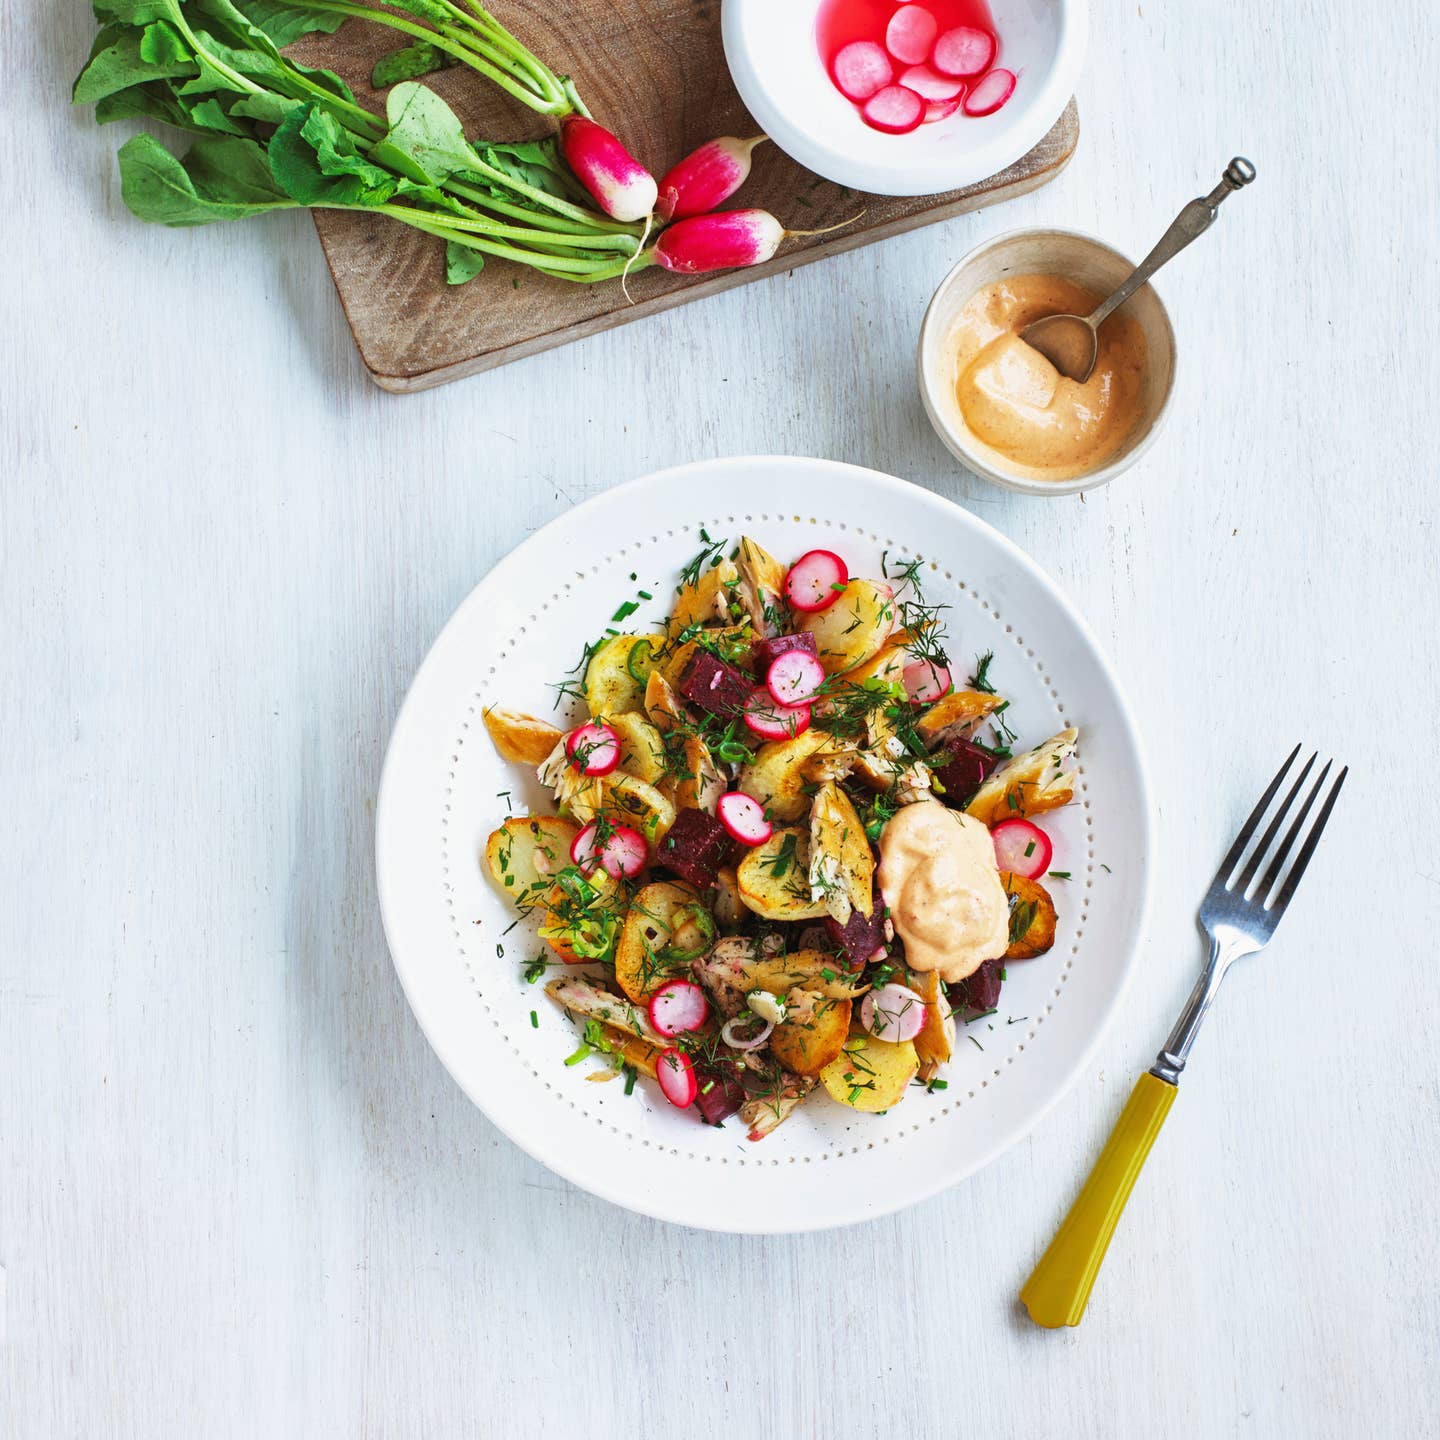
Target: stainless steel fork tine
1287, 845
1228, 864
1242, 885
1282, 899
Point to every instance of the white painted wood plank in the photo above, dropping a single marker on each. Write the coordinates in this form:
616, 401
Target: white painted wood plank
239, 1196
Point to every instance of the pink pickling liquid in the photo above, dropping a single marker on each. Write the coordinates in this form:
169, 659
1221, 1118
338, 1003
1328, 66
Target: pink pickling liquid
839, 22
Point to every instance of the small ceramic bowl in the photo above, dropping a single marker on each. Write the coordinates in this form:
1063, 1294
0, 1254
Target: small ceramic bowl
1088, 262
775, 60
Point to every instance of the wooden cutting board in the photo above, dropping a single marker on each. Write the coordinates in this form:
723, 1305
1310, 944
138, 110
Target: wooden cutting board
654, 71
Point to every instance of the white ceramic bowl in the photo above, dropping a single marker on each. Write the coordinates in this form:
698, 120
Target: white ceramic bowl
773, 56
1088, 262
460, 954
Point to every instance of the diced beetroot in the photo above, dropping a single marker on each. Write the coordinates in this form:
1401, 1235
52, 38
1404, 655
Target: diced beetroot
768, 651
964, 772
694, 848
859, 938
980, 990
715, 685
721, 1092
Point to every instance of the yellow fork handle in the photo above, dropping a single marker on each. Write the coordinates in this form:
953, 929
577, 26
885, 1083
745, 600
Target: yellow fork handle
1059, 1287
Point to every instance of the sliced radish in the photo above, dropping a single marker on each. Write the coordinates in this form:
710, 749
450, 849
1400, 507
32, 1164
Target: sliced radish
893, 1012
895, 110
794, 677
1022, 848
743, 818
925, 681
910, 34
963, 51
593, 749
930, 84
677, 1077
862, 68
939, 110
583, 849
988, 95
815, 580
678, 1007
768, 719
625, 854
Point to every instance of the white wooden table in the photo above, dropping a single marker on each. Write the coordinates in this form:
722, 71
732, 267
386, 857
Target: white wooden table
238, 1194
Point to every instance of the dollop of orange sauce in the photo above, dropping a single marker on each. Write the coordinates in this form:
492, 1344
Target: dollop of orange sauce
942, 887
1015, 401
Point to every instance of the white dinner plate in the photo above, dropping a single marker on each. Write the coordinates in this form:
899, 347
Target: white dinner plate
460, 955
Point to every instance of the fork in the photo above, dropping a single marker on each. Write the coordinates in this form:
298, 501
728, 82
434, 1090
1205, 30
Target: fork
1238, 915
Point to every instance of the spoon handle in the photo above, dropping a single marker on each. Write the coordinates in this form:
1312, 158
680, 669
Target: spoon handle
1190, 224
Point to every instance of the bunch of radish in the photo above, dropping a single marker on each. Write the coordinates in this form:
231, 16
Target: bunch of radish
916, 69
695, 238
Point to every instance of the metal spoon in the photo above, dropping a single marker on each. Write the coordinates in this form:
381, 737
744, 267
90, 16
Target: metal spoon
1070, 342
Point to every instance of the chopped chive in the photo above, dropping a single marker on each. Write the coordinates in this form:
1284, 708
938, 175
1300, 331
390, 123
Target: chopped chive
534, 1021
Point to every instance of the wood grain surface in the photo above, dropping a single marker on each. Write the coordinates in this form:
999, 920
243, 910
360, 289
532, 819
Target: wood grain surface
654, 70
240, 1197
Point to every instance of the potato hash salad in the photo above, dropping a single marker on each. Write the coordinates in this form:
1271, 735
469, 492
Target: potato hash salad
786, 846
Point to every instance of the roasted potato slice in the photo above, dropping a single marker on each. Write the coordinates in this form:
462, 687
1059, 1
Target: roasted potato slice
630, 801
525, 852
1032, 917
707, 599
1030, 784
855, 627
776, 777
581, 922
935, 1044
743, 965
521, 738
700, 784
870, 1074
662, 704
842, 865
812, 1034
642, 748
656, 921
730, 911
774, 878
956, 716
616, 675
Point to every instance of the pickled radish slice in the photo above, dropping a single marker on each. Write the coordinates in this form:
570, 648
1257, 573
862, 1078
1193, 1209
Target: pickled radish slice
593, 749
768, 719
583, 849
939, 110
816, 579
893, 1012
990, 93
677, 1078
910, 34
963, 51
1022, 848
895, 110
925, 681
678, 1007
860, 69
743, 818
794, 677
930, 84
624, 854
